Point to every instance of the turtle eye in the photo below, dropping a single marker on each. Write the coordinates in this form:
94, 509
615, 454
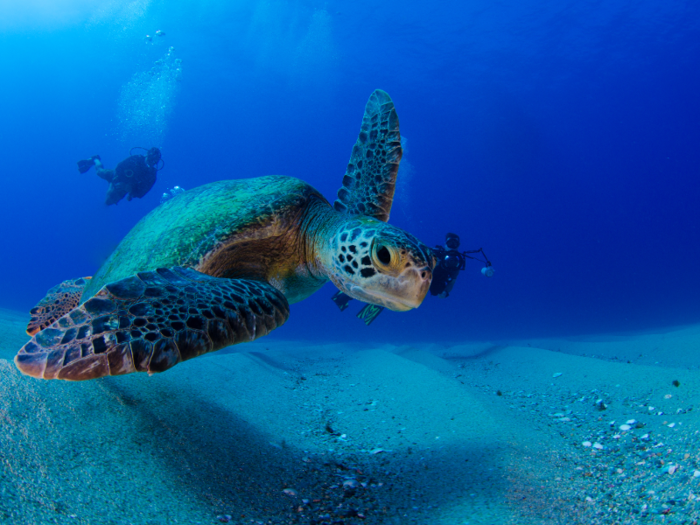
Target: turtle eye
381, 255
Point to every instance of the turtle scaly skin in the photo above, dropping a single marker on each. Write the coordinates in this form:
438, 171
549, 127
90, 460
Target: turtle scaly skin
220, 264
150, 322
370, 178
59, 300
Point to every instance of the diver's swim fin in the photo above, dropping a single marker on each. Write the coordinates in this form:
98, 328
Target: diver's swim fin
369, 313
85, 165
341, 300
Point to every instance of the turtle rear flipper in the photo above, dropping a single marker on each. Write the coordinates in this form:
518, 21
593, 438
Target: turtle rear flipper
151, 321
370, 179
59, 300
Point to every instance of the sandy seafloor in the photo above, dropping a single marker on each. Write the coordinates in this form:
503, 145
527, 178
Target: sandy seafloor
302, 432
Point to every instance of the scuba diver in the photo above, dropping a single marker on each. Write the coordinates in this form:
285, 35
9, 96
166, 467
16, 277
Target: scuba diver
134, 176
449, 263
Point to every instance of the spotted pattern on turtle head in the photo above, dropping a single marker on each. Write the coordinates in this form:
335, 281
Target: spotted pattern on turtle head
352, 248
378, 263
356, 246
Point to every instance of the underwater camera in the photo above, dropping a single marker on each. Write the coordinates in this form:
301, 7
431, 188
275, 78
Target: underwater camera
453, 260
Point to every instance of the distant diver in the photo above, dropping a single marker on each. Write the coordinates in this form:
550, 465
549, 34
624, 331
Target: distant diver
133, 177
449, 263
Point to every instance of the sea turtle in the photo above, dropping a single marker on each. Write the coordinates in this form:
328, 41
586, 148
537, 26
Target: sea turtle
219, 265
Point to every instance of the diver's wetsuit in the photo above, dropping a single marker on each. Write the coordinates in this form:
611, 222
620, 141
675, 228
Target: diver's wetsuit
132, 176
444, 277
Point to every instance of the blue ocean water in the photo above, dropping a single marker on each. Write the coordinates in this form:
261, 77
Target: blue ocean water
561, 137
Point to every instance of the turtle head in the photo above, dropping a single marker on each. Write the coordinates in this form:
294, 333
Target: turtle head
377, 263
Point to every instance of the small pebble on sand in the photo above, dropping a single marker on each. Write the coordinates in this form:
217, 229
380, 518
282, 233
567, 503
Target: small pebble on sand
350, 484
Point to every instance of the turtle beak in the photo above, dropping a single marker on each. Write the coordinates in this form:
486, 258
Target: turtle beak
401, 294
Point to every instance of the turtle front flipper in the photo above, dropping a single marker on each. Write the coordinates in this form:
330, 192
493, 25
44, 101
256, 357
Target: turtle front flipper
59, 300
370, 179
151, 321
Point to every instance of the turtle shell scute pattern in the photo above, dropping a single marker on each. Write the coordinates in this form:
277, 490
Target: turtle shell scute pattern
152, 321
